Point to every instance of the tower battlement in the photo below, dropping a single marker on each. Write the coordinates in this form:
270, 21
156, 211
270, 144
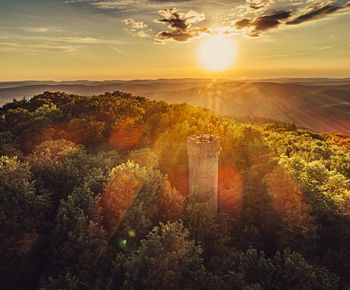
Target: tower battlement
204, 144
203, 155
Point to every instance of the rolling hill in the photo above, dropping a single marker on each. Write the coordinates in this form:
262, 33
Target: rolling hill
319, 104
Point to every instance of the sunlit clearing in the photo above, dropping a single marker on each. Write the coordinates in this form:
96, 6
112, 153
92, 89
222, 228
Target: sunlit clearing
216, 53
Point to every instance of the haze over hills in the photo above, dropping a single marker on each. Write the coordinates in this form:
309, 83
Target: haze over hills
320, 104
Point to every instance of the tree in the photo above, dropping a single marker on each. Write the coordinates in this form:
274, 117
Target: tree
298, 228
286, 270
85, 131
78, 245
127, 135
23, 206
61, 165
144, 157
166, 259
8, 144
135, 199
47, 153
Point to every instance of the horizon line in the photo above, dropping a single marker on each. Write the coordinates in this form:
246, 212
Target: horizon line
185, 78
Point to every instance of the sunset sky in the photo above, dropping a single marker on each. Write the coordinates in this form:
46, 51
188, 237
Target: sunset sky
128, 39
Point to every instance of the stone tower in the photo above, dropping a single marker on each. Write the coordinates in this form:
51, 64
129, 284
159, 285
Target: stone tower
203, 154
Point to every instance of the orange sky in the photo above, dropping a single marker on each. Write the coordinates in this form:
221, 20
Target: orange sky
129, 39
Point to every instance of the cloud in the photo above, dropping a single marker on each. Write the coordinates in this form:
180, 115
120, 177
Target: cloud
267, 22
258, 4
318, 13
181, 25
75, 1
245, 22
118, 51
30, 48
252, 18
37, 44
254, 22
72, 40
137, 28
36, 29
37, 39
29, 29
126, 4
262, 23
308, 51
115, 5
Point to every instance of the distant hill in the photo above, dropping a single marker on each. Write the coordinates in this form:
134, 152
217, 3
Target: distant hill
320, 104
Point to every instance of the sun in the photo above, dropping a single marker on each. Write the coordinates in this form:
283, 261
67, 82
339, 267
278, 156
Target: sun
216, 53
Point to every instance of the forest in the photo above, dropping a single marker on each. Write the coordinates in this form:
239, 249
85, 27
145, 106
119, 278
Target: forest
94, 195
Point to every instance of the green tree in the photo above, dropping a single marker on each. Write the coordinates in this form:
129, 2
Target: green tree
166, 259
135, 199
23, 206
78, 243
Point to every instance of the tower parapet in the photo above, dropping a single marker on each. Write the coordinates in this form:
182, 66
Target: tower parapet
203, 154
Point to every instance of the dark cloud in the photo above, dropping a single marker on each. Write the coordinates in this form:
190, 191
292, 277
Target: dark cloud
295, 14
181, 25
318, 13
266, 22
176, 36
262, 23
243, 23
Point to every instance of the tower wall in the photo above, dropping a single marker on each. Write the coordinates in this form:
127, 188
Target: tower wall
203, 153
